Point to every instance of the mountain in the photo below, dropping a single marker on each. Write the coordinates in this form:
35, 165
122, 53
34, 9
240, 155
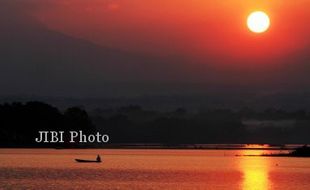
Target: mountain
37, 60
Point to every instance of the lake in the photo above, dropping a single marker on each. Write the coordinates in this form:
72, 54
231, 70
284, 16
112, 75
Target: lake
151, 169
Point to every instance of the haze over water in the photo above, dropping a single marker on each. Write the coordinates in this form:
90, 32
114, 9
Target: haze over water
151, 169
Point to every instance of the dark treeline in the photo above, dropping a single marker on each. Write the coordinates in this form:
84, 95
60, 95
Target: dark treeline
20, 123
132, 124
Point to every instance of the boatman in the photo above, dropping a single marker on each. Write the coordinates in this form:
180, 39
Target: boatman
98, 158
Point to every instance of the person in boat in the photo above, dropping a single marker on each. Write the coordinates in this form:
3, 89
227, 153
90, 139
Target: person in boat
98, 158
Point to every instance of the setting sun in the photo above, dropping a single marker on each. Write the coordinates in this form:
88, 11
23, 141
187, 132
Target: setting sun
258, 22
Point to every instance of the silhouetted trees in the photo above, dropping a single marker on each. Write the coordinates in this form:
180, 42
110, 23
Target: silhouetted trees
171, 128
77, 119
20, 123
132, 124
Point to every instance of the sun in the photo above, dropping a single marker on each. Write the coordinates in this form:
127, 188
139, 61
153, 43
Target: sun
258, 22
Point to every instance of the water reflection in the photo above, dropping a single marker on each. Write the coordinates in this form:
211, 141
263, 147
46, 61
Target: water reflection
255, 171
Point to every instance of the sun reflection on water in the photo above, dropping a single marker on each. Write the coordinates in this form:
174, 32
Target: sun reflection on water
255, 171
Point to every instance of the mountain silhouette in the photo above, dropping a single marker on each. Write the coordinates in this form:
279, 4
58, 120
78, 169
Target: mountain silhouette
37, 60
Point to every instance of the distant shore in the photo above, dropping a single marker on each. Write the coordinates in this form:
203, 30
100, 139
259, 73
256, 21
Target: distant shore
303, 151
181, 146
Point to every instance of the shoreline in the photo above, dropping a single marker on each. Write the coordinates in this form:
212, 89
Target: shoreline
173, 147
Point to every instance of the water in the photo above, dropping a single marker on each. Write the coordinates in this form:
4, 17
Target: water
151, 169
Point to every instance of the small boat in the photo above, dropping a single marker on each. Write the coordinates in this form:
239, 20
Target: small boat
87, 161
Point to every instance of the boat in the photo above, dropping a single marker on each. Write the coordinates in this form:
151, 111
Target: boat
87, 161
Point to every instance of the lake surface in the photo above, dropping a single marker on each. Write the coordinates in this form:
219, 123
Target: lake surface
151, 169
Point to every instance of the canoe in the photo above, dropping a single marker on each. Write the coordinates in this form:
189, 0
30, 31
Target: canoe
87, 161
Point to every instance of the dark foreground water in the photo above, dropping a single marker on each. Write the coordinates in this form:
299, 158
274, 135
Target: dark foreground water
151, 169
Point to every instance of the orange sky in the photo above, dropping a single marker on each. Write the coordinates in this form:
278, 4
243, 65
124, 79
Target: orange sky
194, 28
193, 42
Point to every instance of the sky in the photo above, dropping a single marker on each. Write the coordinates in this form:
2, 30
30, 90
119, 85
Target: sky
194, 28
154, 41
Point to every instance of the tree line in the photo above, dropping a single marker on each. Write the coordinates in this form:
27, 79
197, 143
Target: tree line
20, 123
